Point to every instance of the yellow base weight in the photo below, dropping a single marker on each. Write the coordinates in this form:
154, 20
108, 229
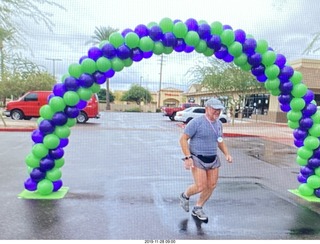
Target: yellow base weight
35, 195
307, 198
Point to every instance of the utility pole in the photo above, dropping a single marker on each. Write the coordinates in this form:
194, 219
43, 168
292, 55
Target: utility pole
159, 96
54, 65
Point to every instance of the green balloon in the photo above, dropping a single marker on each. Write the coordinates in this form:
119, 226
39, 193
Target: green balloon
54, 174
262, 46
146, 44
95, 88
240, 60
296, 78
166, 25
158, 48
305, 190
313, 181
88, 65
268, 58
317, 171
275, 92
299, 90
51, 141
32, 161
57, 104
64, 77
293, 124
301, 161
297, 104
103, 64
39, 120
116, 39
311, 142
132, 40
202, 46
167, 50
62, 131
152, 24
46, 112
294, 115
71, 98
71, 122
102, 43
315, 130
246, 67
117, 64
180, 30
227, 37
272, 84
272, 71
192, 38
208, 52
304, 152
316, 117
127, 62
84, 93
235, 49
58, 163
75, 70
216, 28
44, 187
39, 150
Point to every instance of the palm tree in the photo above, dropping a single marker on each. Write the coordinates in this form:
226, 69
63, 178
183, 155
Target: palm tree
100, 34
5, 36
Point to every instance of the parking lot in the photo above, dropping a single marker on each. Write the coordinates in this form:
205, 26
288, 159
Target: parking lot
124, 173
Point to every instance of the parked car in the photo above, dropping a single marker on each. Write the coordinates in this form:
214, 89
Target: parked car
28, 106
172, 111
190, 113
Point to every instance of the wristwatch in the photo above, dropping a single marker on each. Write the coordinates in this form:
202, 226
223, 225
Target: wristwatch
187, 157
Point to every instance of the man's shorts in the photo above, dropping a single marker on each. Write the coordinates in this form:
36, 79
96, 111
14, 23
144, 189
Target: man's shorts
206, 166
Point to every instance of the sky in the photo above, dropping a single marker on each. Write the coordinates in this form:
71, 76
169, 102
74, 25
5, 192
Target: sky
288, 26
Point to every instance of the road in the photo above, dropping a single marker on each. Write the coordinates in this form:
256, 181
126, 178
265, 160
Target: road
124, 173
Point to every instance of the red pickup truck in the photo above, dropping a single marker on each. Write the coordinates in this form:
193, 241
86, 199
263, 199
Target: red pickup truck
172, 111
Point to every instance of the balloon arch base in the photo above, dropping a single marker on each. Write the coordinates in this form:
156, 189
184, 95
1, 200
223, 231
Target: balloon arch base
35, 195
307, 198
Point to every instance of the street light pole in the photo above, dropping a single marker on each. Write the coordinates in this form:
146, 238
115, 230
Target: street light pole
54, 65
159, 96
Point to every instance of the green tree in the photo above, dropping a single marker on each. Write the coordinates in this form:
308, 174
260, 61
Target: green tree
137, 94
100, 34
102, 95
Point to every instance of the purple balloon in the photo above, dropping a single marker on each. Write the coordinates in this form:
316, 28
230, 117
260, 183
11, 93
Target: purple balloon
255, 59
82, 58
99, 77
309, 110
204, 31
37, 136
109, 51
214, 42
46, 127
126, 31
72, 112
71, 84
109, 74
188, 49
82, 104
59, 118
314, 162
191, 24
46, 164
168, 39
86, 80
63, 142
240, 36
137, 54
317, 192
141, 30
59, 89
56, 153
249, 46
259, 70
286, 87
228, 58
300, 134
262, 78
285, 98
147, 55
180, 45
298, 143
306, 171
285, 107
305, 123
227, 27
301, 178
57, 185
222, 52
309, 96
94, 53
155, 33
123, 52
30, 185
280, 60
316, 153
37, 175
177, 21
286, 72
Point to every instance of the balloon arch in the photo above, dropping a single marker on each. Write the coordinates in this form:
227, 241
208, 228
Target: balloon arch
45, 160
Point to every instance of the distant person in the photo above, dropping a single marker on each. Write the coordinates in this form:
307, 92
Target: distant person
199, 142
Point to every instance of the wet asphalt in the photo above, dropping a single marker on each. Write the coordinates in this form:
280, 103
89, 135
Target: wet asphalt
124, 173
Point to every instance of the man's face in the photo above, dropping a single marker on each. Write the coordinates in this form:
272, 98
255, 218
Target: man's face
213, 113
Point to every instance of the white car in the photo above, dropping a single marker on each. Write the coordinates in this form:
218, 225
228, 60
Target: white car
188, 114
